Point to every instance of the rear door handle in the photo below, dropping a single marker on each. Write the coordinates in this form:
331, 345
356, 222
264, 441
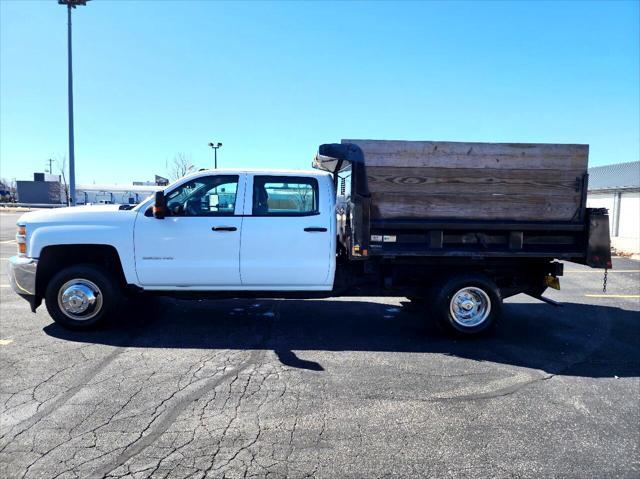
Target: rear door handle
315, 229
224, 228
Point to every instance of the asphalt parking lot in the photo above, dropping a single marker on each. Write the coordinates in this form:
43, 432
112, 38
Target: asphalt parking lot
348, 387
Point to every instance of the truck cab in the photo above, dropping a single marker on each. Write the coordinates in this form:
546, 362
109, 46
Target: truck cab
240, 230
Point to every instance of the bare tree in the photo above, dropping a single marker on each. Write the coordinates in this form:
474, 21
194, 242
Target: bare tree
55, 192
180, 166
13, 188
60, 192
303, 197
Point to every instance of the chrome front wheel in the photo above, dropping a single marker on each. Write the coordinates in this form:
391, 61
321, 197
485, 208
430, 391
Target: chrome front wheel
82, 296
80, 299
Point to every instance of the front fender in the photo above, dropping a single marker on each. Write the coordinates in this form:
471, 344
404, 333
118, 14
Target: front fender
111, 235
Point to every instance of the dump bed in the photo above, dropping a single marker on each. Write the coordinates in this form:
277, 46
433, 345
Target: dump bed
474, 181
453, 199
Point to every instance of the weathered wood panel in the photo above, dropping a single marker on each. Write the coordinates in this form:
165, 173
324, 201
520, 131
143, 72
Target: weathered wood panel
478, 206
384, 179
486, 181
446, 154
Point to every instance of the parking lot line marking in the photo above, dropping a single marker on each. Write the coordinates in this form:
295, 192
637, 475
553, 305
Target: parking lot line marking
633, 296
4, 285
600, 272
4, 342
7, 241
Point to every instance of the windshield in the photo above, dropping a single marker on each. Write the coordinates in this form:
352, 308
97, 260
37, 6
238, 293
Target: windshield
149, 199
213, 195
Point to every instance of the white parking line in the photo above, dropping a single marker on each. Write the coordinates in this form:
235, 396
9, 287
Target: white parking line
7, 241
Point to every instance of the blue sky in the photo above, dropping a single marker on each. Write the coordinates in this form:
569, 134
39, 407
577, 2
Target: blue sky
272, 81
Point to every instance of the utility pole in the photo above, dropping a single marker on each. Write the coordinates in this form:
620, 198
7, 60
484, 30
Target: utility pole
215, 147
72, 160
50, 167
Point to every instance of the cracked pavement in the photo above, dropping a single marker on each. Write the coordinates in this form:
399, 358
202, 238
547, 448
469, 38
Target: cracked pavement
348, 387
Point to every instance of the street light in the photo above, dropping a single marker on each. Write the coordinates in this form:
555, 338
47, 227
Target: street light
215, 147
72, 160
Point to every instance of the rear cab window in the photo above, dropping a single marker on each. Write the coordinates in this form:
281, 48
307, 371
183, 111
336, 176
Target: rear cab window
285, 196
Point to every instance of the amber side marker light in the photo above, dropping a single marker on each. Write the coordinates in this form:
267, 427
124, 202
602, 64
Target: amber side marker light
21, 239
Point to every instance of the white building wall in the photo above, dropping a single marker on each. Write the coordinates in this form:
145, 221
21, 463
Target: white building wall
629, 215
628, 239
624, 217
601, 200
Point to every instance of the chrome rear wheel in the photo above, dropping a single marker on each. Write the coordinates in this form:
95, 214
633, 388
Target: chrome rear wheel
467, 304
470, 307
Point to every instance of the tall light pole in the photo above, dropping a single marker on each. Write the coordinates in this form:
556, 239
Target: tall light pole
215, 147
72, 160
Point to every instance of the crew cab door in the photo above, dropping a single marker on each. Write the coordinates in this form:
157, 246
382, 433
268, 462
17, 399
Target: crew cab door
198, 243
288, 233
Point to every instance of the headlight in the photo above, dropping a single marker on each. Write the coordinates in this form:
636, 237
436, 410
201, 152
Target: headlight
21, 239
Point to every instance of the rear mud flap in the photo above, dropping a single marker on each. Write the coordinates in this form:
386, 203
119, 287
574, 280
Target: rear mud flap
599, 242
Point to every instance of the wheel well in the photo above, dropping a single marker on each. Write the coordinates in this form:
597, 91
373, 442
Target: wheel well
55, 258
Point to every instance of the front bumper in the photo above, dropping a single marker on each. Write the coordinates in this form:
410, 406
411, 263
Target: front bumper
22, 277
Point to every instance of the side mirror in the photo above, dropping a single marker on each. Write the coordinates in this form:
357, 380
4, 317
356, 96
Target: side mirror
160, 205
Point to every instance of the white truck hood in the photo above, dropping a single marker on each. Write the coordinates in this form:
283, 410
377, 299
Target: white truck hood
99, 224
74, 214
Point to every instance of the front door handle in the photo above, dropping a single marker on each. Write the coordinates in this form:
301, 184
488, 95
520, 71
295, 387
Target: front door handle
224, 228
315, 229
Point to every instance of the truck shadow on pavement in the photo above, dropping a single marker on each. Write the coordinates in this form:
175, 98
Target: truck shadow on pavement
576, 340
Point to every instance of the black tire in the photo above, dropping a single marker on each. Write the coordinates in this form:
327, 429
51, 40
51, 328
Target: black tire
106, 300
474, 289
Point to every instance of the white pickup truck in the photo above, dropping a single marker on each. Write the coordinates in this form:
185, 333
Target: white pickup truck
241, 233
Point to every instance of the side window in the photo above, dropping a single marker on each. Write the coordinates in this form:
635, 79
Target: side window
285, 196
206, 196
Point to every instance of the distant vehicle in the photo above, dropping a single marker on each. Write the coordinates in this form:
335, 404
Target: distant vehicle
455, 227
